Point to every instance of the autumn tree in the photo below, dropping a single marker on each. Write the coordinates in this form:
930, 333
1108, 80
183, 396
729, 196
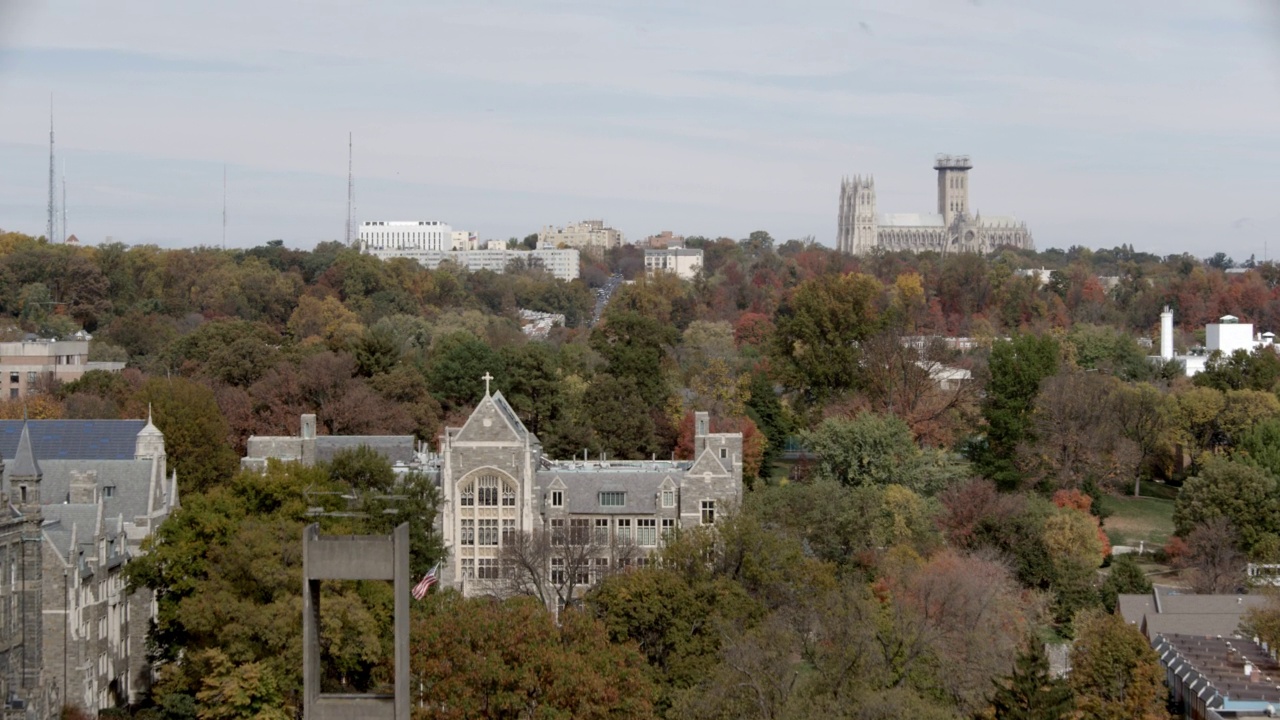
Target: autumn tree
1076, 436
874, 449
1115, 674
478, 658
1243, 494
819, 332
195, 433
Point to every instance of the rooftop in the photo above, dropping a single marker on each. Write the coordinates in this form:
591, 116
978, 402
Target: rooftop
1226, 673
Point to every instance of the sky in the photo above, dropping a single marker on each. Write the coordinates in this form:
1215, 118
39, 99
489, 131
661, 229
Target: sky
1150, 122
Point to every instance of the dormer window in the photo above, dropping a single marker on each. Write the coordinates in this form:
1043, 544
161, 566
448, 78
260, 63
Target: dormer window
668, 498
613, 498
23, 490
724, 453
557, 498
109, 491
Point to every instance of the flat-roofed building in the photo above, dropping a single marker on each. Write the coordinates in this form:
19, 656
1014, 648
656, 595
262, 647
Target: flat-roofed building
25, 364
684, 263
587, 235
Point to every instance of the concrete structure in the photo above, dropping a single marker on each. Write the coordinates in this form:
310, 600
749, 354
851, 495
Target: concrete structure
587, 235
25, 364
402, 451
685, 263
1213, 678
952, 228
367, 557
405, 235
463, 240
562, 264
1225, 336
497, 485
98, 489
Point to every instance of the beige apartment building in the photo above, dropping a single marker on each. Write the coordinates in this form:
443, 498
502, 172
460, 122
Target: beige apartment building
586, 235
24, 364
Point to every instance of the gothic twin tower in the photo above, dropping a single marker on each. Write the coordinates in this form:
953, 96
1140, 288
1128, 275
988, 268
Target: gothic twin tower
951, 229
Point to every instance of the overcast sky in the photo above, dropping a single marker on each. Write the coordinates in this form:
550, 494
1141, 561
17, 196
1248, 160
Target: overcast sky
1152, 122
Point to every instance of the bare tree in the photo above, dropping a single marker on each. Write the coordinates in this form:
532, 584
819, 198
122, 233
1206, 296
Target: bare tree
912, 380
1076, 432
1214, 561
557, 564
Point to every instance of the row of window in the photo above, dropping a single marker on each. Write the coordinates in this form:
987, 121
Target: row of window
486, 531
484, 492
493, 569
614, 498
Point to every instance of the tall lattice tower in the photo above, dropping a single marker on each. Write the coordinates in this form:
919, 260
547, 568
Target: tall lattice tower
351, 194
52, 174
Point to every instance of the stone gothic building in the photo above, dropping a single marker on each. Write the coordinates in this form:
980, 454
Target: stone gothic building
498, 488
83, 495
953, 228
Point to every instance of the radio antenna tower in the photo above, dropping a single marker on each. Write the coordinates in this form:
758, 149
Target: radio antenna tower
351, 192
63, 234
52, 171
224, 206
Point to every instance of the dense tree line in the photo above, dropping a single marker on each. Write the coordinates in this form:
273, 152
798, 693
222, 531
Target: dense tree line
929, 534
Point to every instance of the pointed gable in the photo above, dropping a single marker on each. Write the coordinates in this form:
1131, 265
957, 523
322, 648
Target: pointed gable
707, 462
24, 460
494, 420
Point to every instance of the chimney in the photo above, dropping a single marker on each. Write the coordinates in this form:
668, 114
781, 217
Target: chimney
1166, 334
1248, 669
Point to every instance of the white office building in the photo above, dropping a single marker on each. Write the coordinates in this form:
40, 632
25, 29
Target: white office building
1225, 336
562, 264
406, 235
683, 262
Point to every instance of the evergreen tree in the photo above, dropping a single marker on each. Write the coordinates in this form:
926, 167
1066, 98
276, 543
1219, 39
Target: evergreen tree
1126, 578
1030, 693
1017, 367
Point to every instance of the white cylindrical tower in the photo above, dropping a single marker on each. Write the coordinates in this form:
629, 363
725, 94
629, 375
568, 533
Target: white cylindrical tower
1166, 334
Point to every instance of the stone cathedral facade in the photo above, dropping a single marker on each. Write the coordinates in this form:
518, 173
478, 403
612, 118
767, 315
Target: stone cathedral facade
496, 483
953, 228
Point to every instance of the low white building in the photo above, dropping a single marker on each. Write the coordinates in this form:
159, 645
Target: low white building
1225, 336
684, 262
562, 264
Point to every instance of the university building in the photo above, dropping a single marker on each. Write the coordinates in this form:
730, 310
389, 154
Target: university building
77, 500
498, 488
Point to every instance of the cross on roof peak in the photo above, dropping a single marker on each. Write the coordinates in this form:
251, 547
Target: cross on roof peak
486, 378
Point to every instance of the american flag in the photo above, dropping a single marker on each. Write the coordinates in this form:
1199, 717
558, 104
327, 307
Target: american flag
420, 590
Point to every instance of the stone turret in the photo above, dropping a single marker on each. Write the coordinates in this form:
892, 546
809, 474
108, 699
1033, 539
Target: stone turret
150, 444
25, 476
24, 483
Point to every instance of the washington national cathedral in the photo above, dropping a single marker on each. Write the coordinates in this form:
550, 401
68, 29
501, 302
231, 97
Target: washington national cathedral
951, 229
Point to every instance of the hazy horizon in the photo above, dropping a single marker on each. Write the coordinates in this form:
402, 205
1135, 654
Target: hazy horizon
1094, 123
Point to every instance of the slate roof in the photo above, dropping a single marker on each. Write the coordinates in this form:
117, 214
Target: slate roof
74, 439
582, 489
59, 519
130, 478
395, 448
509, 413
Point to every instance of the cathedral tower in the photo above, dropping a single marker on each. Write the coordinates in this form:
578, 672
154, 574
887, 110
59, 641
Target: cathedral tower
953, 186
857, 230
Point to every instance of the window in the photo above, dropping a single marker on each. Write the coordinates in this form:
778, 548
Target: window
668, 498
557, 532
468, 568
578, 531
508, 530
488, 491
624, 530
487, 568
468, 532
724, 453
557, 498
708, 512
601, 536
13, 393
31, 377
601, 569
508, 496
13, 378
613, 498
109, 491
468, 495
668, 527
24, 493
557, 570
647, 532
488, 534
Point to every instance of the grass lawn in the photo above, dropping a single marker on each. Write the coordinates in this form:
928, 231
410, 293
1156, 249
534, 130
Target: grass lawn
1148, 518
